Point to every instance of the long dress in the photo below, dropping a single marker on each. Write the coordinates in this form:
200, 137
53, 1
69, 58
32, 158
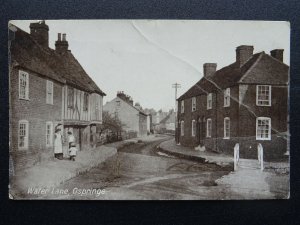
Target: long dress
58, 144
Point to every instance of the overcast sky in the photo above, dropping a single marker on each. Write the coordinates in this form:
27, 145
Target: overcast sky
144, 58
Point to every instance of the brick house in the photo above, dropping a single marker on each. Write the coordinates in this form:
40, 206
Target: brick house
132, 117
48, 89
245, 102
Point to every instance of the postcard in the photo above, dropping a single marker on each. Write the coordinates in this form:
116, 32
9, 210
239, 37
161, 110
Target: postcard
149, 109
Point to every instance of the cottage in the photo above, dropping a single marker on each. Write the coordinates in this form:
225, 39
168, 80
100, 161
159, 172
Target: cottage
245, 102
132, 117
48, 89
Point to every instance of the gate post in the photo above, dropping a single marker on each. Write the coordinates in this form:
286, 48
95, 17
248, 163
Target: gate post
236, 155
260, 155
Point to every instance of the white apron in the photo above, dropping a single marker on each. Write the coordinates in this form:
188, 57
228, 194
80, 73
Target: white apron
58, 144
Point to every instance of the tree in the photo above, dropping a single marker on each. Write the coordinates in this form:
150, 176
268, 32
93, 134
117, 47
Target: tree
110, 123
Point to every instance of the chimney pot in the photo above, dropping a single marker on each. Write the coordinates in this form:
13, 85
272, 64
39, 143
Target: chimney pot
61, 45
277, 54
209, 69
243, 53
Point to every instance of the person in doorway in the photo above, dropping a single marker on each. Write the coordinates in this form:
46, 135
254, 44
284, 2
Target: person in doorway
71, 138
58, 150
73, 151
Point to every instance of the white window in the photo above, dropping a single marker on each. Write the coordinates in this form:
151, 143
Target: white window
23, 85
182, 128
23, 134
208, 128
263, 95
193, 104
49, 92
263, 128
49, 134
227, 97
193, 128
209, 101
182, 106
226, 128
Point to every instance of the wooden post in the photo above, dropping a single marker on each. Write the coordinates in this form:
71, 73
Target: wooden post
260, 154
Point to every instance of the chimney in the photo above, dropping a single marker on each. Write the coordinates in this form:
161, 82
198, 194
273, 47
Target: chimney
61, 45
243, 53
39, 32
277, 54
209, 69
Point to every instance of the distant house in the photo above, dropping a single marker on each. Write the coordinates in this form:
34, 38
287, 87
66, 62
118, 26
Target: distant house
132, 117
167, 124
48, 89
245, 102
157, 117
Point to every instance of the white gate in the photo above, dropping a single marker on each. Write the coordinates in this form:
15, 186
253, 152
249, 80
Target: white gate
248, 163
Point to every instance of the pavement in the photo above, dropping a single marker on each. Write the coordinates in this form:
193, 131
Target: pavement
170, 147
54, 172
247, 182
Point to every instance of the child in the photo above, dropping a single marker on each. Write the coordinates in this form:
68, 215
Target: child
73, 151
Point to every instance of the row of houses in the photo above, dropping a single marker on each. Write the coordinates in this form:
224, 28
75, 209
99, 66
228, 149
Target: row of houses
49, 89
245, 102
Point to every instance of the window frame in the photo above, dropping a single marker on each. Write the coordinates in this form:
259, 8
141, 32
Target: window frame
85, 102
194, 128
26, 139
70, 99
227, 97
269, 99
49, 86
182, 106
182, 128
209, 101
50, 134
269, 130
26, 97
226, 136
208, 128
194, 104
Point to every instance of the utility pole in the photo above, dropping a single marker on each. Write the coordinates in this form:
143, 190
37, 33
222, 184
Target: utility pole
176, 86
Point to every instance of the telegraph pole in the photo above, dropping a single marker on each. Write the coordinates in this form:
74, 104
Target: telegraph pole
176, 86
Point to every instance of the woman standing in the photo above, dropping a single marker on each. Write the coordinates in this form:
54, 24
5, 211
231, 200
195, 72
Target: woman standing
58, 150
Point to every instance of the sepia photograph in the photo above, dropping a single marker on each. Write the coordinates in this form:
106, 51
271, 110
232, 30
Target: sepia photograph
149, 109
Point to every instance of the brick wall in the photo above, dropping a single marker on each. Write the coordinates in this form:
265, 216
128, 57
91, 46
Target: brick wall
278, 112
37, 113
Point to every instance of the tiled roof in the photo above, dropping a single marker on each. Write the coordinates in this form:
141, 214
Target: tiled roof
64, 68
260, 68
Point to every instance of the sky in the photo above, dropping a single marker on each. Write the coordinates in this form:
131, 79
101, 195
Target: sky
144, 58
